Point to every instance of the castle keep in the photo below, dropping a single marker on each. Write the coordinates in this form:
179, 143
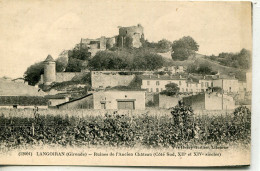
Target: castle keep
131, 36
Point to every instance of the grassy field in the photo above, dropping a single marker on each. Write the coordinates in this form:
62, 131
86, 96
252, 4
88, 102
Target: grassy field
177, 127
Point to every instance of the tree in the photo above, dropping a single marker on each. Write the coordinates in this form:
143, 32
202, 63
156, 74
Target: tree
74, 65
183, 48
79, 53
204, 69
33, 73
61, 64
172, 89
163, 46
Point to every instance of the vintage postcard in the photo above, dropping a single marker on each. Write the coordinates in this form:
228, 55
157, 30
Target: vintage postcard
125, 83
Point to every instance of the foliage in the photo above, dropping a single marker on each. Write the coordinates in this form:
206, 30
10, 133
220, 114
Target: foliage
150, 104
237, 60
184, 48
163, 46
179, 128
74, 65
126, 60
33, 73
79, 53
203, 69
215, 89
171, 89
78, 58
61, 64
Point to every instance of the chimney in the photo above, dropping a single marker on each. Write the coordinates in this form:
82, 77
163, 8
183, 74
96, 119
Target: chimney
180, 77
158, 75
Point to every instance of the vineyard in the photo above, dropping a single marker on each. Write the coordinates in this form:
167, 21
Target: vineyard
180, 126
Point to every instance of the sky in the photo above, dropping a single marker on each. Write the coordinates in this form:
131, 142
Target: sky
32, 29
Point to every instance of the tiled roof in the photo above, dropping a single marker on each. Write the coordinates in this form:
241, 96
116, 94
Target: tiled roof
23, 100
75, 99
162, 77
56, 96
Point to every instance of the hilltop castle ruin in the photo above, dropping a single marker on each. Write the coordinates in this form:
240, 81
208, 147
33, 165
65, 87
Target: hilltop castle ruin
127, 37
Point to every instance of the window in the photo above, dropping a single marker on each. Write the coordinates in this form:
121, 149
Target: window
157, 82
187, 85
103, 105
147, 89
196, 84
148, 82
179, 82
151, 89
206, 84
202, 84
157, 89
191, 90
182, 89
187, 90
161, 89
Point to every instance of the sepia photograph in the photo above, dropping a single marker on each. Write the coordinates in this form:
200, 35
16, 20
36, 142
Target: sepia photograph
125, 83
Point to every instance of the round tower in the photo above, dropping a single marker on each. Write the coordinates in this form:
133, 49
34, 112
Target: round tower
49, 70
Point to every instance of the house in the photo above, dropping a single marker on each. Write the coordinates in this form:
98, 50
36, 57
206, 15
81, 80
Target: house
23, 102
209, 101
54, 100
228, 84
111, 99
153, 83
85, 102
115, 99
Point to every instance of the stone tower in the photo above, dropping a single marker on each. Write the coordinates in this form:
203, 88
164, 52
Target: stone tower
49, 70
133, 33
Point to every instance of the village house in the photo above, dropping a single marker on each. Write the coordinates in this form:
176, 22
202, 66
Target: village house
54, 100
153, 83
172, 69
228, 84
23, 102
111, 99
84, 102
209, 101
115, 99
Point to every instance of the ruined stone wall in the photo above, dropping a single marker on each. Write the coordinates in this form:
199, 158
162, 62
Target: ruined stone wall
110, 42
103, 80
197, 102
65, 76
168, 101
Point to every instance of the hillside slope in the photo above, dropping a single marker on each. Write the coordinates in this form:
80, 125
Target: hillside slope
201, 59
